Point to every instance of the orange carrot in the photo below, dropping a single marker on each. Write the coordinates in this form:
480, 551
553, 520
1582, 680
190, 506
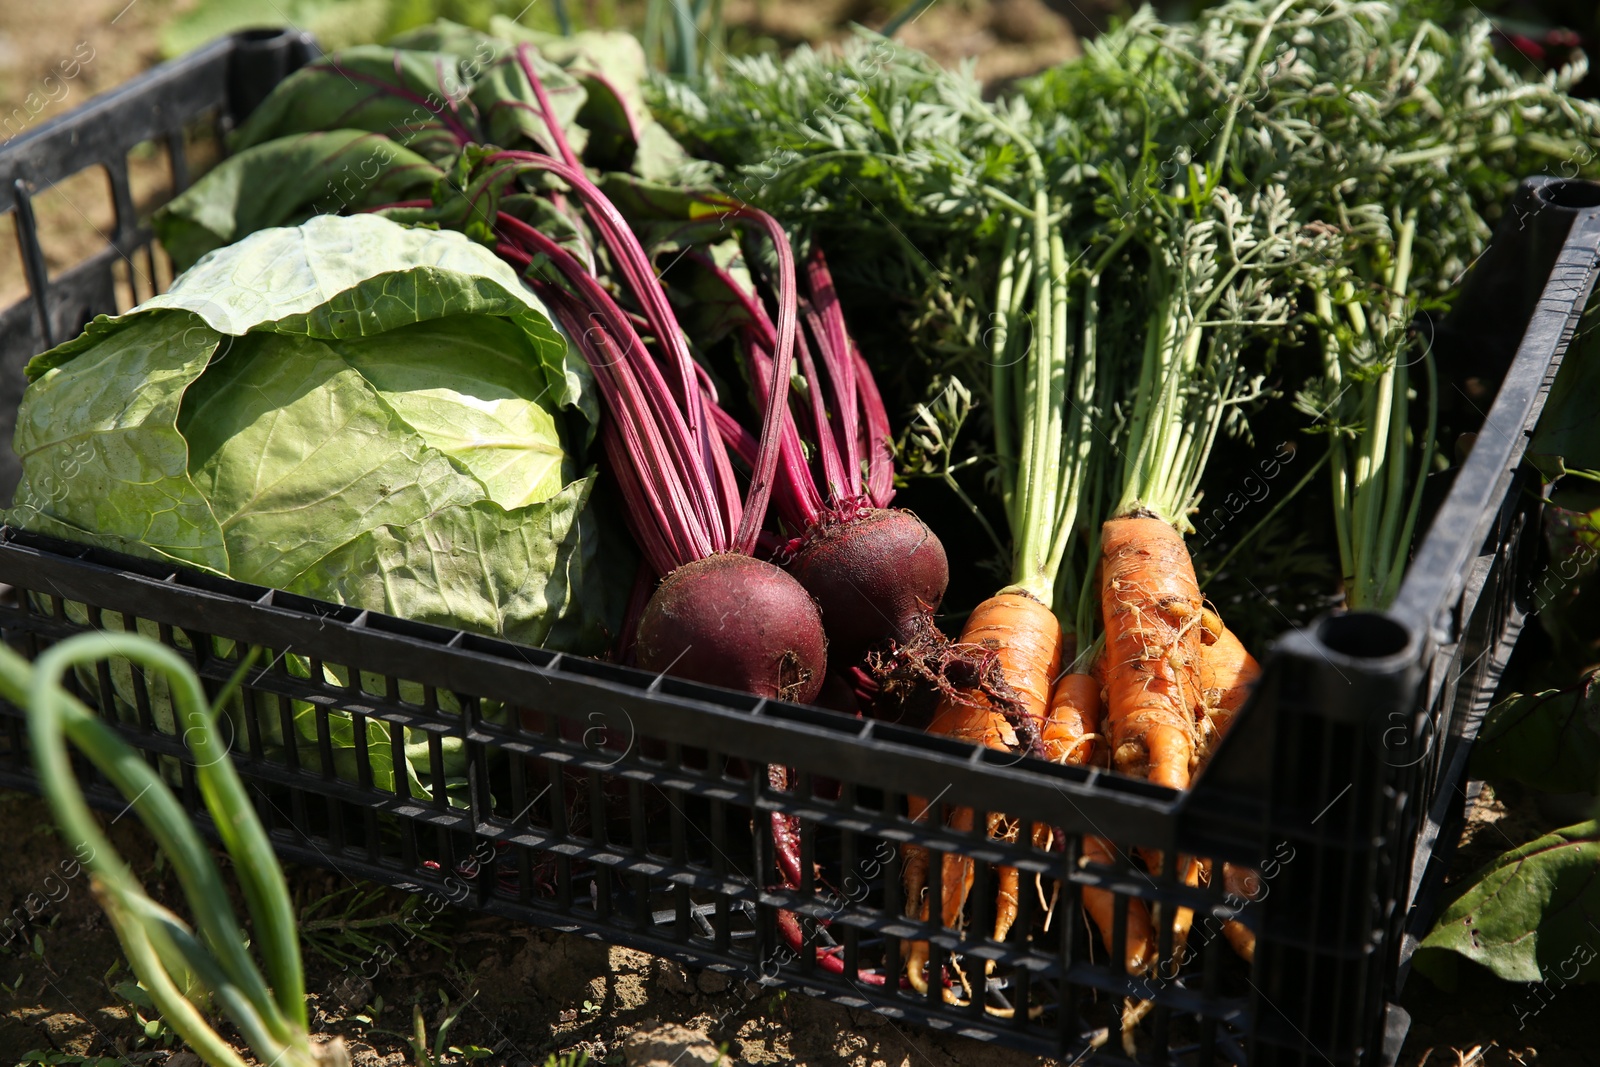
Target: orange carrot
1227, 673
1026, 639
1070, 732
1151, 607
1067, 736
1140, 952
1241, 938
1241, 882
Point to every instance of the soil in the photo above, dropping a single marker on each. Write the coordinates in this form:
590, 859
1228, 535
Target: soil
53, 58
525, 994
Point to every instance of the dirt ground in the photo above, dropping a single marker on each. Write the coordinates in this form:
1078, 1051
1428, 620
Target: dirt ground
520, 994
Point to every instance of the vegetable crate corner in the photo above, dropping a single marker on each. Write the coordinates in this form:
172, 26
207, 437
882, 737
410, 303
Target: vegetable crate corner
651, 812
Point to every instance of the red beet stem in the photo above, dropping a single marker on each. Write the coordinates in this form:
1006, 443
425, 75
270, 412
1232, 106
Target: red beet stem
678, 496
641, 277
843, 483
880, 457
834, 342
844, 415
451, 120
795, 491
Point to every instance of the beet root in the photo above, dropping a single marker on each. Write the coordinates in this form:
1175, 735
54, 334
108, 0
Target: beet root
876, 576
738, 622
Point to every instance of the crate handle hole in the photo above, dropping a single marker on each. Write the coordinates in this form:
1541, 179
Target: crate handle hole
1364, 635
264, 35
1570, 194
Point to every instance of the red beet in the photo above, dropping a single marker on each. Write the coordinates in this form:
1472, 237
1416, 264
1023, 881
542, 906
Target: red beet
738, 622
874, 576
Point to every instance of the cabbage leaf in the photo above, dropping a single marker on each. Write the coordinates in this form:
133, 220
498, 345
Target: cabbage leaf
349, 409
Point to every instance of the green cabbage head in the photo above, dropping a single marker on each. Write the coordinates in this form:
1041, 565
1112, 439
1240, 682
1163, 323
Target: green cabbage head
348, 409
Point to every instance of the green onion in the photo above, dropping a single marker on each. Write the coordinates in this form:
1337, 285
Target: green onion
175, 964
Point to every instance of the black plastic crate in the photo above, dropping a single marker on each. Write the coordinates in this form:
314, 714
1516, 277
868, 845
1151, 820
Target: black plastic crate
636, 809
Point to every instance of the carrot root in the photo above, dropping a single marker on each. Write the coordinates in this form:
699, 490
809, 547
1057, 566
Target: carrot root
1152, 610
1227, 674
1140, 950
1241, 938
1025, 640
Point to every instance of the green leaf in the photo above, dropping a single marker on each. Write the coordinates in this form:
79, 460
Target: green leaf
489, 416
1549, 740
474, 566
281, 420
135, 994
285, 181
388, 418
351, 410
298, 454
417, 99
659, 156
1531, 915
337, 277
612, 68
99, 444
511, 115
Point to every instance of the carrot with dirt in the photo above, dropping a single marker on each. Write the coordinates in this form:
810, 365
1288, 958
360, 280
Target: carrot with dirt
1203, 260
1206, 271
1227, 674
1044, 393
1029, 659
1150, 601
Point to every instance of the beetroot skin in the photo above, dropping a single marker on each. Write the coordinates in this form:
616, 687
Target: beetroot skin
738, 622
874, 575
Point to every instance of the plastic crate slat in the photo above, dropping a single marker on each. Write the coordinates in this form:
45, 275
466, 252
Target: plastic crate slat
111, 124
1139, 811
1440, 565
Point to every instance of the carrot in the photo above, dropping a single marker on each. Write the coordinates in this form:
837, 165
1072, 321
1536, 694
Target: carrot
1246, 883
1067, 736
1026, 639
1070, 737
1241, 938
1043, 387
1227, 674
1140, 952
1226, 671
1151, 606
1069, 733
